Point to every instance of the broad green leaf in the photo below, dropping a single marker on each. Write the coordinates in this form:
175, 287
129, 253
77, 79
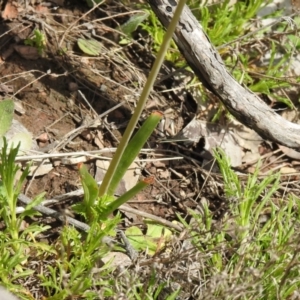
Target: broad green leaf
90, 47
6, 115
131, 25
136, 237
139, 241
157, 231
144, 242
158, 235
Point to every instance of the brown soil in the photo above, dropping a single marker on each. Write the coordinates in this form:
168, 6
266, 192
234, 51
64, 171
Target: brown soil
49, 87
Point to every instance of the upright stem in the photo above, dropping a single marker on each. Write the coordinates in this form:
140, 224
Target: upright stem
142, 101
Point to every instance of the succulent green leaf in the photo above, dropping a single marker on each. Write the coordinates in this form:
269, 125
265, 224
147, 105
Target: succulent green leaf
89, 46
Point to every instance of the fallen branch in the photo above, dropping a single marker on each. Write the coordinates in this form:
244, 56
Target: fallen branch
207, 64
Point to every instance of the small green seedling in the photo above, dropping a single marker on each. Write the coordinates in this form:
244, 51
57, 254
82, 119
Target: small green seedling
10, 188
15, 243
128, 149
38, 41
95, 207
98, 208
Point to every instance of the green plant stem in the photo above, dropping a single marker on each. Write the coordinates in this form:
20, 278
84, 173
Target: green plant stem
132, 150
125, 197
142, 101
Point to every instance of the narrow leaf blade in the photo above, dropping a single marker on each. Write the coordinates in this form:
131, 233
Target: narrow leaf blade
131, 25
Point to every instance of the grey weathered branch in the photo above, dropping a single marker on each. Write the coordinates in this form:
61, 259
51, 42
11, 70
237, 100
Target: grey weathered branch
207, 64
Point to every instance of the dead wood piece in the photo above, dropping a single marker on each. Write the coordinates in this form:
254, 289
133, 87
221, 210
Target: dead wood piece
207, 64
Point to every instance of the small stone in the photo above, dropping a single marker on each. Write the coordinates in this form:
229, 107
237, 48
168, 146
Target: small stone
73, 86
43, 138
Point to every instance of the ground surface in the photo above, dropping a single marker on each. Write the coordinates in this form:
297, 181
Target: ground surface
54, 106
63, 89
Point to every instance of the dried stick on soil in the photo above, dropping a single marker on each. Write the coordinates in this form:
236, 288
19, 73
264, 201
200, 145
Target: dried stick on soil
82, 226
150, 216
127, 208
207, 64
